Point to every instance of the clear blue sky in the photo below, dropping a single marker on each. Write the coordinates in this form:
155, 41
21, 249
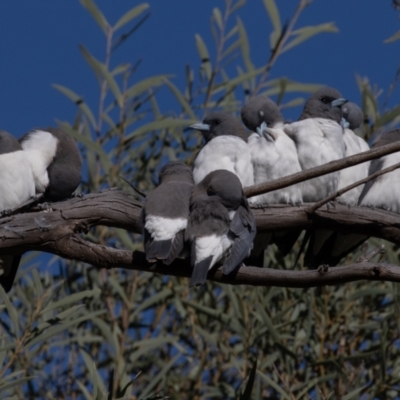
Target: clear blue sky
39, 47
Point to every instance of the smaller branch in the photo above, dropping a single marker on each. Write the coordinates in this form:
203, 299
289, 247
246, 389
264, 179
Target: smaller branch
368, 257
324, 169
319, 204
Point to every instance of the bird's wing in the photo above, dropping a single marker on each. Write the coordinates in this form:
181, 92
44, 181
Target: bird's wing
243, 231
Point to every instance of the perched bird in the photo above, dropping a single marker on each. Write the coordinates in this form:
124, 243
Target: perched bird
273, 153
221, 226
165, 213
226, 148
16, 186
352, 118
331, 244
318, 136
55, 161
381, 192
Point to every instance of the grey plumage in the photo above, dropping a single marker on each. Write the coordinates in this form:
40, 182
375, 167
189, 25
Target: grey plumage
165, 213
221, 225
225, 148
55, 161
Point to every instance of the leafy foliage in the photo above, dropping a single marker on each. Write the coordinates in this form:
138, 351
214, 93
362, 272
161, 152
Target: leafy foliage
90, 334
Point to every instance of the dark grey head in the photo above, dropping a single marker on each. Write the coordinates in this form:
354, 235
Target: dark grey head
8, 143
388, 138
65, 170
352, 116
175, 171
223, 186
324, 103
220, 123
260, 109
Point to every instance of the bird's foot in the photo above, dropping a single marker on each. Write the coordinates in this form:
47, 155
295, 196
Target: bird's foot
259, 206
46, 207
77, 194
323, 269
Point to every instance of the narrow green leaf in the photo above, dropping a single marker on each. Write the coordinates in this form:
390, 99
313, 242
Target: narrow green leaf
181, 99
308, 32
96, 14
145, 84
156, 379
387, 117
217, 17
393, 38
204, 55
272, 383
12, 312
73, 298
102, 73
16, 382
245, 45
130, 15
354, 394
168, 123
98, 384
78, 100
275, 18
85, 392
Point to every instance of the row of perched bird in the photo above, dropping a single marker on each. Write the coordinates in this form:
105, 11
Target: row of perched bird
43, 162
205, 210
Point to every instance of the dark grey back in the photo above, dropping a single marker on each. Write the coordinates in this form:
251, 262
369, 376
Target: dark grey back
65, 172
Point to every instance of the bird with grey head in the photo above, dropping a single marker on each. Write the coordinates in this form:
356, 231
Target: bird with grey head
165, 213
221, 226
225, 148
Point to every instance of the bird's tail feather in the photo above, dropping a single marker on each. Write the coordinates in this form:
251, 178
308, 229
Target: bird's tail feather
158, 250
200, 271
176, 247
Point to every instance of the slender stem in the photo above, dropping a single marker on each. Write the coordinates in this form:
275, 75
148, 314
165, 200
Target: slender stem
324, 169
220, 49
276, 51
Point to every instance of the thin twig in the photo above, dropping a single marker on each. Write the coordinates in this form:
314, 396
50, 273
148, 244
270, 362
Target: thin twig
324, 169
320, 203
276, 51
370, 256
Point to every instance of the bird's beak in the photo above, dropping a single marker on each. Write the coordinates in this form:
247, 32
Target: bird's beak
200, 127
261, 128
345, 124
338, 102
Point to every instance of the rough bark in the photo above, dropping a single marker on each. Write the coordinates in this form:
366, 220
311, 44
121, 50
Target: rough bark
58, 231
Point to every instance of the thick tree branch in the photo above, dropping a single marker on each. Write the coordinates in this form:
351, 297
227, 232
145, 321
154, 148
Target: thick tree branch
321, 170
59, 229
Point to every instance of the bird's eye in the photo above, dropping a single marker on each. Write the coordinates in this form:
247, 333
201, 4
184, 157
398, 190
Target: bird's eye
325, 100
210, 191
217, 121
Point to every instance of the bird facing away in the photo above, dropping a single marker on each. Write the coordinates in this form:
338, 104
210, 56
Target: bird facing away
318, 136
221, 225
382, 192
16, 187
225, 148
273, 153
352, 119
165, 213
55, 161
